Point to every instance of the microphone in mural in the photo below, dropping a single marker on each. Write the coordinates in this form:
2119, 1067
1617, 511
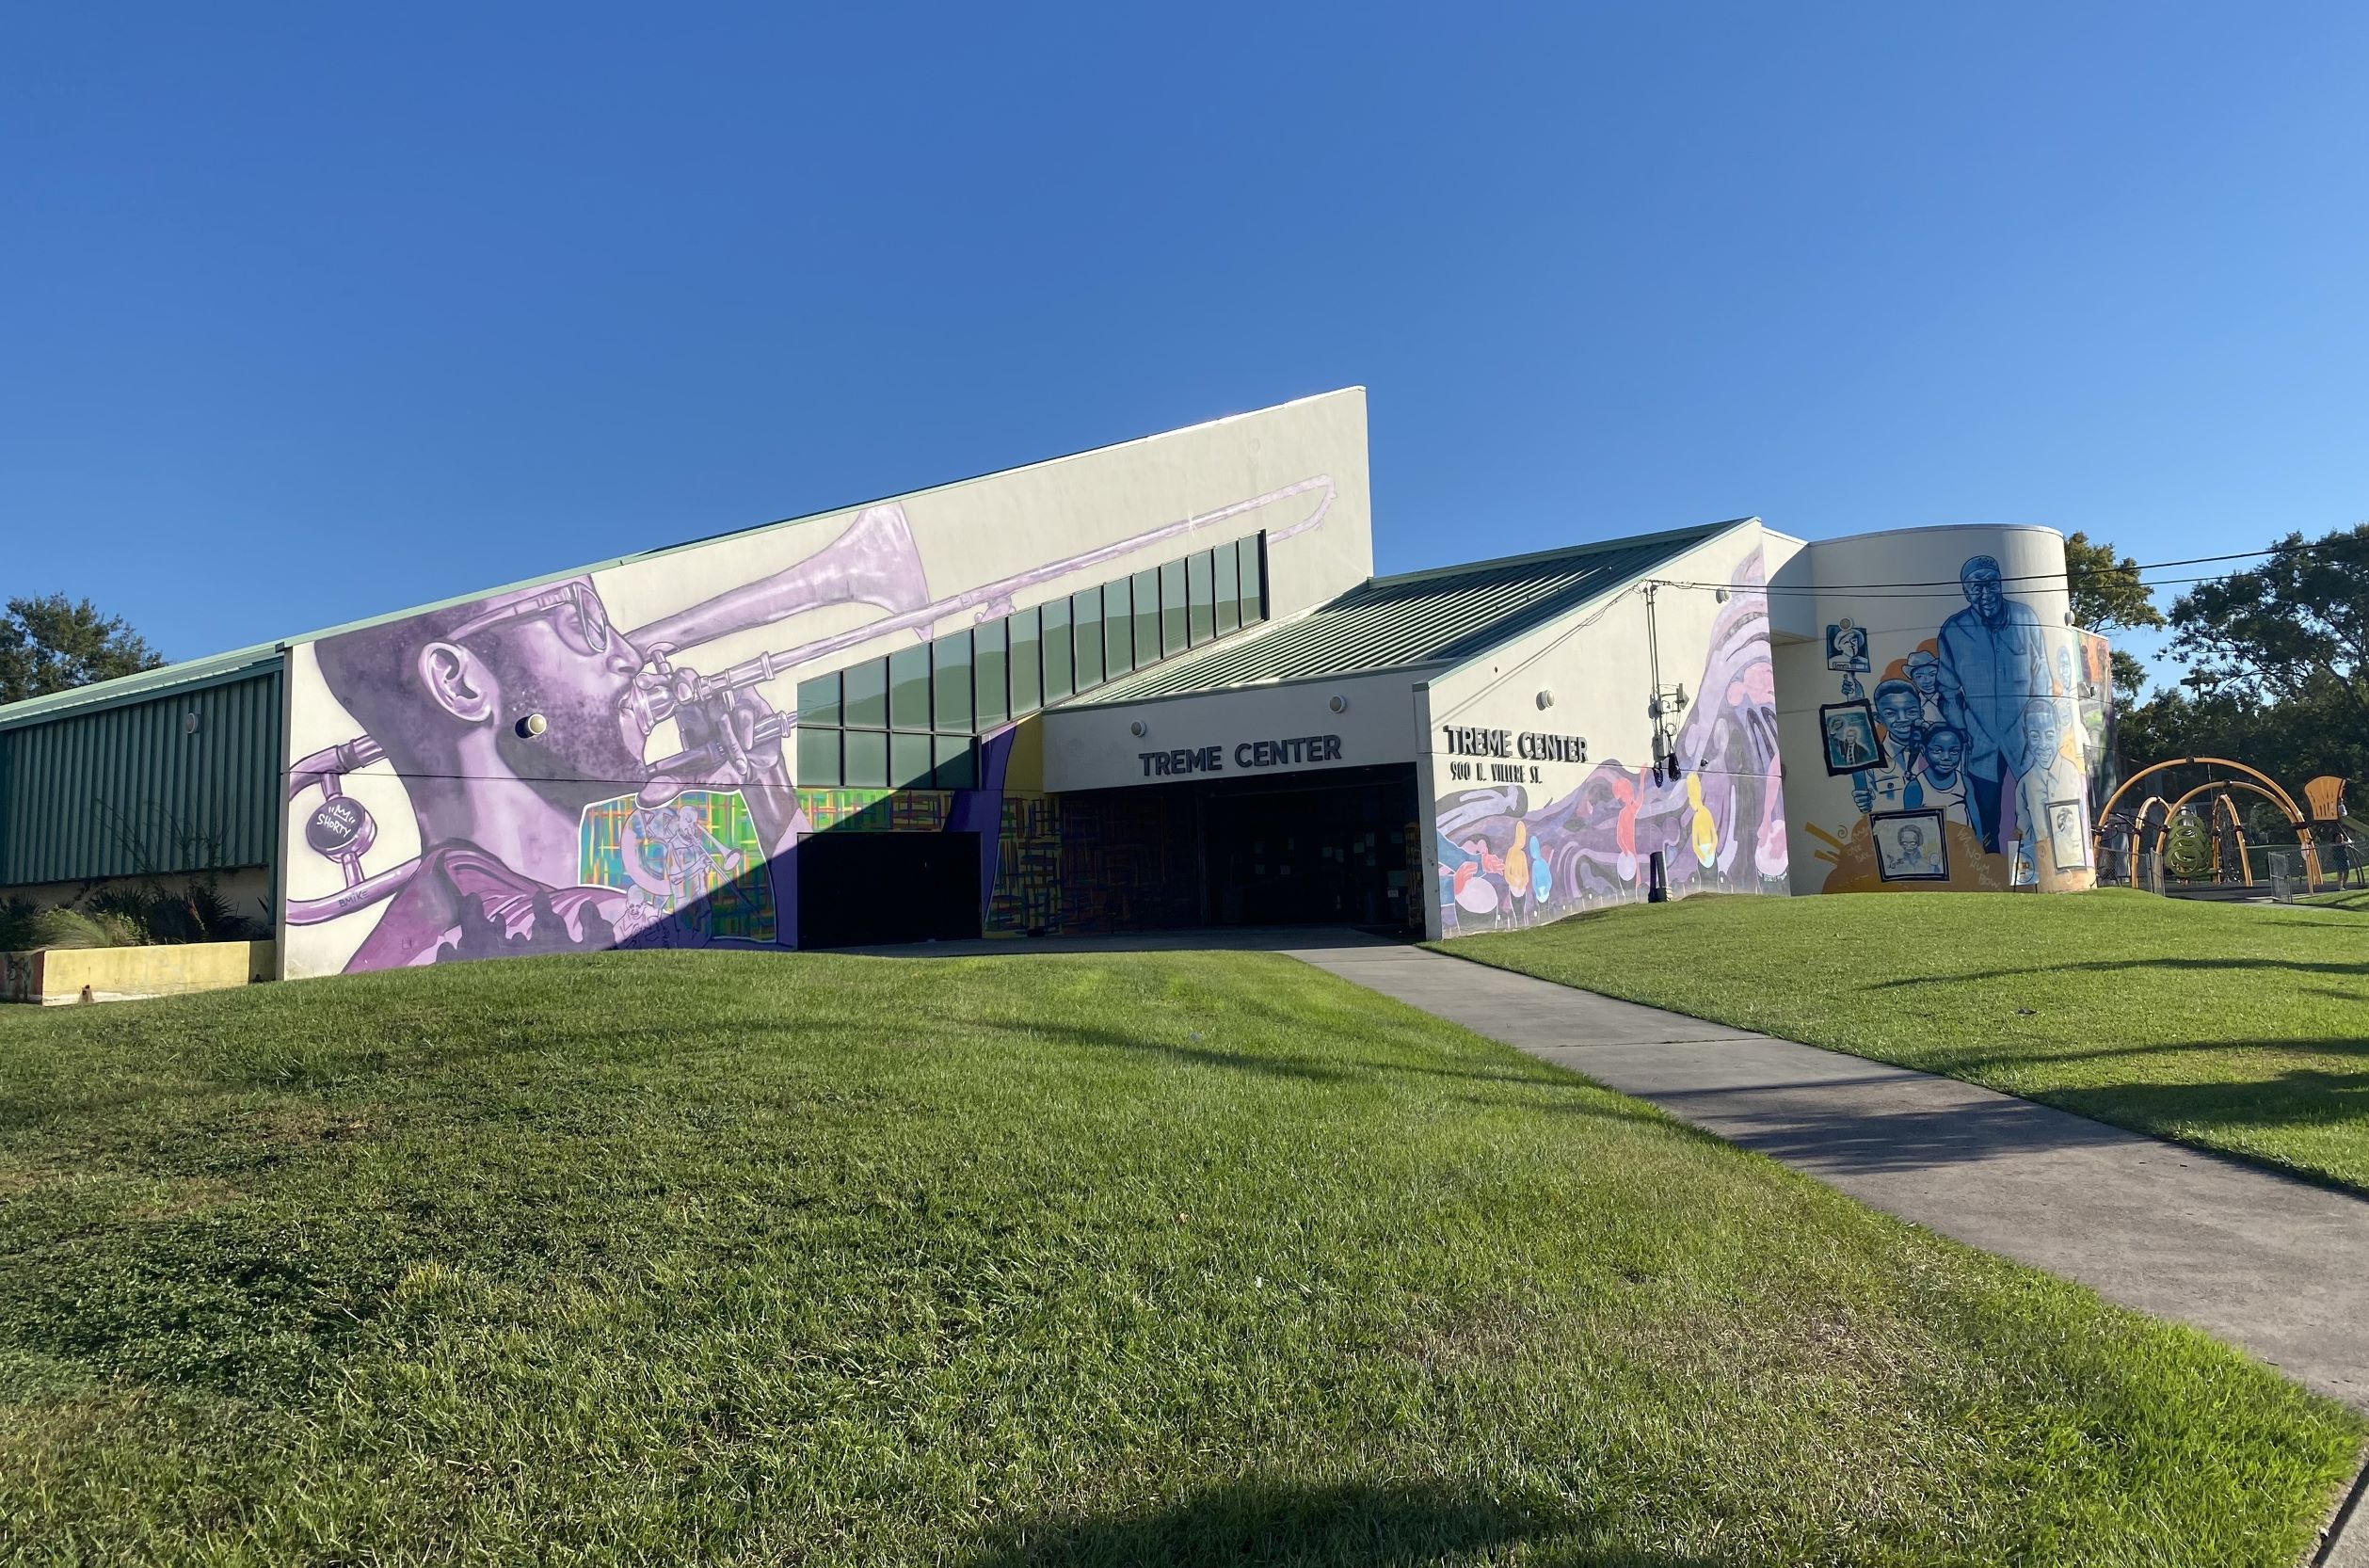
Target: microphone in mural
518, 725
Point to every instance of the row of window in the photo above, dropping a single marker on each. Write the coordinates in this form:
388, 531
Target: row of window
907, 721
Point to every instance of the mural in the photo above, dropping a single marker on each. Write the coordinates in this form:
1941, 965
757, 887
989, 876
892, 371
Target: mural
2094, 692
1966, 755
521, 727
1718, 825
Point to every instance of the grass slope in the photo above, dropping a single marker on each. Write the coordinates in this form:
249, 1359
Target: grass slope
1188, 1258
2233, 1027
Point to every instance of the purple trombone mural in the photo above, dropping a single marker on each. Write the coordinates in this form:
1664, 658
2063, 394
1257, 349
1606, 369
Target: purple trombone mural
520, 723
1718, 823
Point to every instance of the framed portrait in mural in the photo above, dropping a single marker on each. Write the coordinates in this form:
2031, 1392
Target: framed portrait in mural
2068, 835
1911, 846
1846, 647
1853, 744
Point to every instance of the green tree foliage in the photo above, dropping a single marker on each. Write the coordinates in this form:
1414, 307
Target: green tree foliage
54, 644
2107, 590
2277, 658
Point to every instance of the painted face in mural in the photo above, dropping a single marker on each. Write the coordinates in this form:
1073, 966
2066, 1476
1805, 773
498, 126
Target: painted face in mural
553, 653
1925, 674
2039, 732
1945, 752
1900, 711
1985, 589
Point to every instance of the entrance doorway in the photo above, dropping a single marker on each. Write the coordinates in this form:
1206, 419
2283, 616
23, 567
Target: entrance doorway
865, 889
1322, 849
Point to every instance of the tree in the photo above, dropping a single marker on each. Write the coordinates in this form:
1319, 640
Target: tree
2295, 627
54, 644
2107, 592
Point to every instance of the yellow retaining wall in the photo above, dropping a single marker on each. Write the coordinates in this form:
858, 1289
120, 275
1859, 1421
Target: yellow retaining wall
53, 975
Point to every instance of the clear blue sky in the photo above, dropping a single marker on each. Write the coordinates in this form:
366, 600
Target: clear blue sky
317, 312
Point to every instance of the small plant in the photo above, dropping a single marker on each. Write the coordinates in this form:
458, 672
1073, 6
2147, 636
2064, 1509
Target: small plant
16, 924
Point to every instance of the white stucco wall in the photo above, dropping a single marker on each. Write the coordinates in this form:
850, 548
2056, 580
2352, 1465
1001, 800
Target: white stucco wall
1897, 591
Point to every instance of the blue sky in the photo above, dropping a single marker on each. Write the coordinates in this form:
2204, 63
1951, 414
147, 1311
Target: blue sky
316, 311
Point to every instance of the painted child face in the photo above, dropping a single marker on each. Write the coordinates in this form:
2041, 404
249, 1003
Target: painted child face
1927, 678
1900, 714
1942, 757
2040, 736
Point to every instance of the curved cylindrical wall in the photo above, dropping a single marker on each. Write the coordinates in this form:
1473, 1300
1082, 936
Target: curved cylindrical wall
1930, 730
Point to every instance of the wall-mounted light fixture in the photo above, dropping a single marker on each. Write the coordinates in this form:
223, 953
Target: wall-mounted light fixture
1138, 728
189, 722
1546, 698
532, 726
1718, 596
1338, 705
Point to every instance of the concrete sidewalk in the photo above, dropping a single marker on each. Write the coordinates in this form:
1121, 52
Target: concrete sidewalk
2277, 1267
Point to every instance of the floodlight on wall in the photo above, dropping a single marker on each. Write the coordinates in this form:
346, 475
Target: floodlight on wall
189, 722
532, 726
1718, 596
1338, 705
1546, 698
1139, 728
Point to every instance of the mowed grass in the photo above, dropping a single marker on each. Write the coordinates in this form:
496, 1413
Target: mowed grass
2243, 1028
1171, 1258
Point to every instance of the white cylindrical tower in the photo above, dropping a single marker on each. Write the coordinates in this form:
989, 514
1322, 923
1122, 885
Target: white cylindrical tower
1929, 727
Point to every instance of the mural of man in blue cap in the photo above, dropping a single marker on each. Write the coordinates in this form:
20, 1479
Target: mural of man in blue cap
1992, 661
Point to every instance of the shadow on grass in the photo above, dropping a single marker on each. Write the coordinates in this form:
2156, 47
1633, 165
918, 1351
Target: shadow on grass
2110, 965
1289, 1522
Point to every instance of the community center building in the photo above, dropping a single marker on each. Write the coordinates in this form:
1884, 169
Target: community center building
1152, 685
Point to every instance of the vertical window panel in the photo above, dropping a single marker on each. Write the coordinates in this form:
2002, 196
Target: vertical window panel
988, 668
818, 757
957, 762
1229, 591
867, 695
909, 761
1059, 678
1172, 610
867, 760
1200, 598
818, 701
1028, 666
909, 688
1146, 617
1085, 609
1118, 629
1253, 560
949, 682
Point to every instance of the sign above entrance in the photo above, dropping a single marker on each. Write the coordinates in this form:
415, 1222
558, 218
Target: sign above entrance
1297, 751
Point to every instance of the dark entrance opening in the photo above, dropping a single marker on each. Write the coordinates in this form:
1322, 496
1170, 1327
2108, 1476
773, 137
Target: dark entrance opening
1328, 849
862, 889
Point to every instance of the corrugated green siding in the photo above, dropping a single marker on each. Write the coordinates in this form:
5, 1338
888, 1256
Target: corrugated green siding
126, 787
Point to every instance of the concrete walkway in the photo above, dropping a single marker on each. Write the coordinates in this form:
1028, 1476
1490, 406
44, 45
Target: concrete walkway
2277, 1267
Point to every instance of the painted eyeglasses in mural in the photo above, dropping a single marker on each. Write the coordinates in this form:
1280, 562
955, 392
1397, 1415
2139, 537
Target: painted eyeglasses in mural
1977, 743
1718, 821
520, 726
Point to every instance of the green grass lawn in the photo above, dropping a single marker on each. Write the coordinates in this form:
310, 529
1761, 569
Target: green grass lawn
1182, 1257
2351, 898
2243, 1028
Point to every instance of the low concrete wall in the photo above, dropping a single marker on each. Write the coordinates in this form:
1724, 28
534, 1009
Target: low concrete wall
53, 975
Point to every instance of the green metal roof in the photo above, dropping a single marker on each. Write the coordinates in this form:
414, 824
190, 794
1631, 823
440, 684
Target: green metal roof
188, 675
1421, 618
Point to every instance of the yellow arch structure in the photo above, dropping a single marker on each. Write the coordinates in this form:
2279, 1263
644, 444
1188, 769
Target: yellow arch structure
2263, 785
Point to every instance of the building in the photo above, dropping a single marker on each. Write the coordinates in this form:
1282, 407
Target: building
1151, 685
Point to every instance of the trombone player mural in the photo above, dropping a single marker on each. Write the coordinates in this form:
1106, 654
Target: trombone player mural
519, 725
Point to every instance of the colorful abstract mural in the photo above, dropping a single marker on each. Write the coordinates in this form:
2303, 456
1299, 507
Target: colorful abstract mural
696, 861
1716, 820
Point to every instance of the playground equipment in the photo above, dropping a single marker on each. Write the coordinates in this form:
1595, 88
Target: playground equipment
2223, 850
